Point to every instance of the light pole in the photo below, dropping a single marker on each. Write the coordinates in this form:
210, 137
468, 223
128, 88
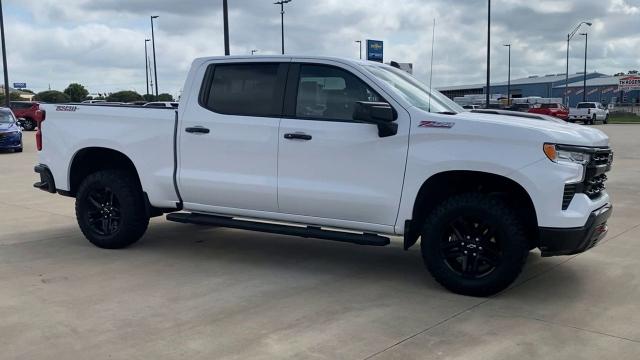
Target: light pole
155, 63
360, 44
146, 63
253, 51
7, 99
488, 95
225, 18
566, 82
584, 78
281, 3
509, 78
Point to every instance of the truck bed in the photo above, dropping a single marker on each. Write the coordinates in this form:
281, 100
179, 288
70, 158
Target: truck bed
146, 135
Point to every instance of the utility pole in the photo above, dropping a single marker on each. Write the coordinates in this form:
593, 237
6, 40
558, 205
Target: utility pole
509, 78
281, 3
7, 94
146, 63
360, 44
155, 63
584, 78
225, 19
566, 81
488, 95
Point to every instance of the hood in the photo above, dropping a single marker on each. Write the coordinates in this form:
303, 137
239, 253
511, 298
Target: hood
8, 127
553, 131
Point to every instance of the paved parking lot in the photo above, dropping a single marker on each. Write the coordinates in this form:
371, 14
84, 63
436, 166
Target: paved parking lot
192, 292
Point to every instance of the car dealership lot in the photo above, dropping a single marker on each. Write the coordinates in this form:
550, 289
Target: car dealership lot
196, 292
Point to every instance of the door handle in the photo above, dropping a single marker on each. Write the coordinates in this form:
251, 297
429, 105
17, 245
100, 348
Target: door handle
197, 130
298, 136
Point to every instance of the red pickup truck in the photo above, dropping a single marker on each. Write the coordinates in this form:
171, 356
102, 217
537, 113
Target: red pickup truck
556, 110
26, 110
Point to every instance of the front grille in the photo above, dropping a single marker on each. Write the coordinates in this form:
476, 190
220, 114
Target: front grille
594, 178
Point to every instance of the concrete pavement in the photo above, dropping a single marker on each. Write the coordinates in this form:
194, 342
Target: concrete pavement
193, 292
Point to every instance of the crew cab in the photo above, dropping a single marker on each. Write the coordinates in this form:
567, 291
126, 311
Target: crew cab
335, 149
552, 109
589, 113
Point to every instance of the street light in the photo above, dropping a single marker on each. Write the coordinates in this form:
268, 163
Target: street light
225, 18
360, 44
281, 3
569, 37
146, 63
488, 95
253, 51
584, 78
153, 43
7, 99
509, 77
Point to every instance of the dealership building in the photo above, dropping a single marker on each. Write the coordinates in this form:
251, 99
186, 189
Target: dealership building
600, 87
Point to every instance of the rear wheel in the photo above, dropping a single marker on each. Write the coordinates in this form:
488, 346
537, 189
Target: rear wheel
593, 120
110, 209
473, 245
606, 119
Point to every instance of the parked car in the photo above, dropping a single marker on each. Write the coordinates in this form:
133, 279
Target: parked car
26, 112
10, 131
334, 149
162, 104
522, 107
472, 107
553, 109
94, 101
589, 113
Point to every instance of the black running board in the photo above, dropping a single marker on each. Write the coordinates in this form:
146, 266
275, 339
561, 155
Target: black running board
307, 232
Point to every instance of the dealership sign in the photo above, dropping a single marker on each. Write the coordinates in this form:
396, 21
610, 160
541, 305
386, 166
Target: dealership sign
629, 83
375, 50
19, 85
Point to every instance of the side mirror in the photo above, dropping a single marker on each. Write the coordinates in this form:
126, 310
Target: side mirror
378, 113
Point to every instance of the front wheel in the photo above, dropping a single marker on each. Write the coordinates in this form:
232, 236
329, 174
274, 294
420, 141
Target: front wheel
110, 209
29, 125
473, 244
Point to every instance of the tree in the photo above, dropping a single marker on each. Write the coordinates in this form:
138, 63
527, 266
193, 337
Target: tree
76, 92
165, 97
149, 97
52, 96
633, 72
124, 96
14, 96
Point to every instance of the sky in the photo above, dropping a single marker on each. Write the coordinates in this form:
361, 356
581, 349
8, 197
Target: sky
100, 43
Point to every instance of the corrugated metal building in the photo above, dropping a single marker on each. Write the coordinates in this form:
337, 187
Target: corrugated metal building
599, 88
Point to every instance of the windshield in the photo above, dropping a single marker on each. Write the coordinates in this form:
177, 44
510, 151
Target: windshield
6, 117
415, 92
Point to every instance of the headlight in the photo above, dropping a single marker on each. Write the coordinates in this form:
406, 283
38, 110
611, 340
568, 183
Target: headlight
558, 154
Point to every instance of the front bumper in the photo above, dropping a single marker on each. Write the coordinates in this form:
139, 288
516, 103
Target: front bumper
570, 241
10, 141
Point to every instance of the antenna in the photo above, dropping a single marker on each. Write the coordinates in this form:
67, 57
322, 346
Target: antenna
433, 40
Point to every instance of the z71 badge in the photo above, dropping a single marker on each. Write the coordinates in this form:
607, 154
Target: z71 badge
436, 124
66, 108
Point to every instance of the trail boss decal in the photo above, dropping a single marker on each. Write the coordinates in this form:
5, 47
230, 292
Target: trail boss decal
436, 124
66, 108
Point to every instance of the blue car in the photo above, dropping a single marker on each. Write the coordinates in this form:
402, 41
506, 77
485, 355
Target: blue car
10, 131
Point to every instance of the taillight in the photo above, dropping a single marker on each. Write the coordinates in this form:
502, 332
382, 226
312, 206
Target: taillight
40, 116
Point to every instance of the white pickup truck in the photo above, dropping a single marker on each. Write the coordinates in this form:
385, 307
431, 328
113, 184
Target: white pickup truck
334, 149
589, 113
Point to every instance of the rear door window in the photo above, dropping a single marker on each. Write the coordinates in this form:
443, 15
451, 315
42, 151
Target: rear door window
252, 89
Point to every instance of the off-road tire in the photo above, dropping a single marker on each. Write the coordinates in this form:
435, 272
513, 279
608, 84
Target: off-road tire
509, 238
133, 217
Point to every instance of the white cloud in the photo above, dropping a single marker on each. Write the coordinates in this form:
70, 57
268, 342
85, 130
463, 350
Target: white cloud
100, 43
